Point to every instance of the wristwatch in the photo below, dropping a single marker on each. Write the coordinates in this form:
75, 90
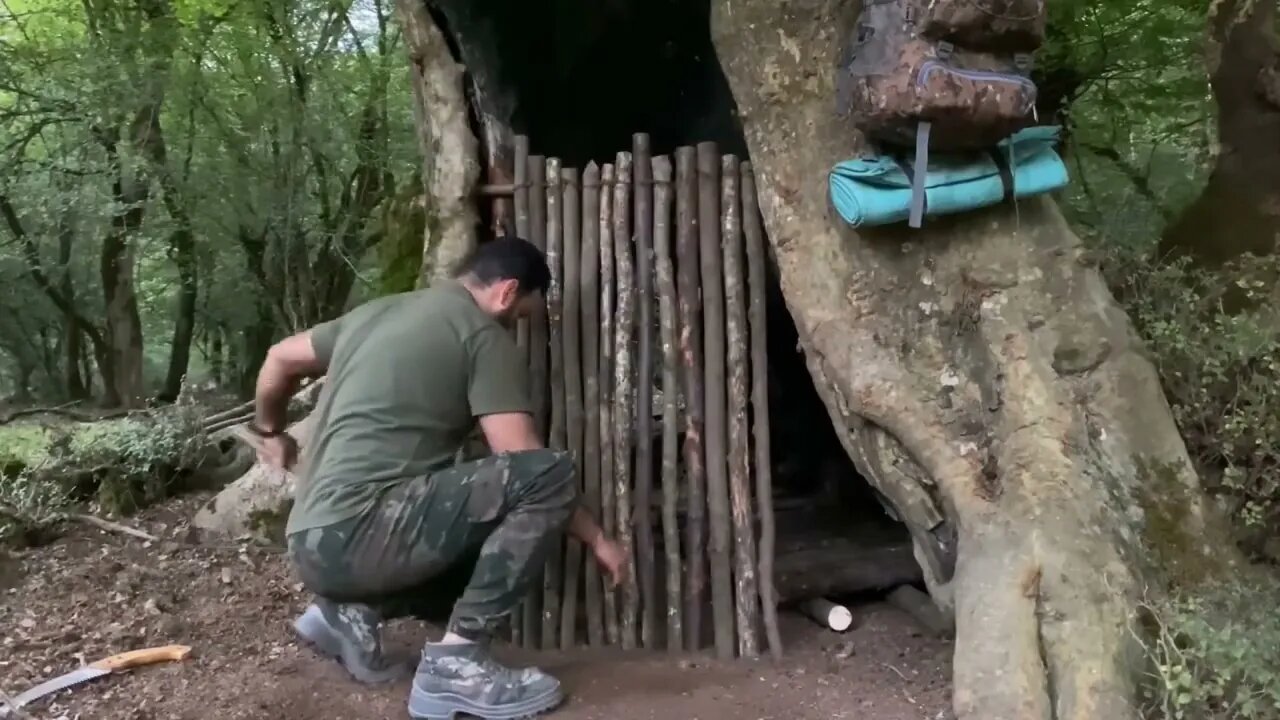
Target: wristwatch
253, 428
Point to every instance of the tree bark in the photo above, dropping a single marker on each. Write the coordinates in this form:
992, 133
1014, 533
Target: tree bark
746, 600
493, 102
450, 165
589, 465
624, 395
1239, 210
608, 301
665, 282
720, 535
558, 436
688, 302
121, 360
571, 259
984, 380
642, 225
184, 321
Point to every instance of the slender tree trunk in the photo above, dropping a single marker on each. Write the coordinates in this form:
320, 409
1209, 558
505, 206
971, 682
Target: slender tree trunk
72, 346
217, 354
124, 325
184, 322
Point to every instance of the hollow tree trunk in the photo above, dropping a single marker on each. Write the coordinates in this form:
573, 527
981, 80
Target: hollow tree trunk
471, 27
1239, 210
450, 165
982, 377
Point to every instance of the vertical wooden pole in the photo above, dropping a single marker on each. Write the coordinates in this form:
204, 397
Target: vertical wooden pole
552, 581
608, 490
624, 392
589, 466
521, 202
666, 287
753, 233
714, 398
643, 190
572, 212
689, 307
535, 169
522, 186
746, 590
538, 329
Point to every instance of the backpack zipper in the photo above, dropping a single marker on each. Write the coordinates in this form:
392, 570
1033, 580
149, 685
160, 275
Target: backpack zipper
928, 66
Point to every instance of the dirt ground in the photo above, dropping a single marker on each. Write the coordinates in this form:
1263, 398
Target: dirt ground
95, 593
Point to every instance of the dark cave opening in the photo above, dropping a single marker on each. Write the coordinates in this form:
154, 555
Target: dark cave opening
579, 78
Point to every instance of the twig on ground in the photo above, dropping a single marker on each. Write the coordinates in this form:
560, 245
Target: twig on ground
63, 410
896, 670
111, 526
13, 514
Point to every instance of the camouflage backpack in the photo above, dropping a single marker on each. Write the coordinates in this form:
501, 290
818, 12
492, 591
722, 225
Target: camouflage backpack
942, 75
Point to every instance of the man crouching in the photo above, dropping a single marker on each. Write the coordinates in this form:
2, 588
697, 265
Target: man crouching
382, 511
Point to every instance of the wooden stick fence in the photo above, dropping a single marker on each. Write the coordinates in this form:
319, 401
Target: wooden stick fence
653, 339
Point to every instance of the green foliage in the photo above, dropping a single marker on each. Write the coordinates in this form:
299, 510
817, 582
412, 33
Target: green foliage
400, 251
1215, 654
284, 123
118, 465
1141, 144
1220, 371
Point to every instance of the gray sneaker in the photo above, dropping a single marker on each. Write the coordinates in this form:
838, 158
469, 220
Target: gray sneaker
458, 679
349, 632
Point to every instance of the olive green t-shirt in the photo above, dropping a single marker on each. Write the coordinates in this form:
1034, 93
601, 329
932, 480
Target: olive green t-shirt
408, 377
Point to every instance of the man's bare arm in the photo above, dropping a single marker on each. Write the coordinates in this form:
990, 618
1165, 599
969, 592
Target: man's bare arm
510, 432
287, 363
513, 432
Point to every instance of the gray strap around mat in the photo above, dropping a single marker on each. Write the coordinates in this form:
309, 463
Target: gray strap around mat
920, 170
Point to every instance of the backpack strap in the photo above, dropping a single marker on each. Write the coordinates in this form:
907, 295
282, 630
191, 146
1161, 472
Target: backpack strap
919, 171
1005, 168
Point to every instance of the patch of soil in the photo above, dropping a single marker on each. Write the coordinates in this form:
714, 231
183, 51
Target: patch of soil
95, 593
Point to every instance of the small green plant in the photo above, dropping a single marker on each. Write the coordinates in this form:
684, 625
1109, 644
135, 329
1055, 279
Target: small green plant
1215, 339
135, 460
29, 506
1215, 654
117, 465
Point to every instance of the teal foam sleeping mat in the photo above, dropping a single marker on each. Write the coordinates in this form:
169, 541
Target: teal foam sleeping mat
877, 190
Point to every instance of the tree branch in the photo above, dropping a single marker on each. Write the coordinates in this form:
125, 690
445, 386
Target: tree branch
1140, 180
35, 271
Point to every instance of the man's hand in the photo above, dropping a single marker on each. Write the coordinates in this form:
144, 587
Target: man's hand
279, 451
611, 559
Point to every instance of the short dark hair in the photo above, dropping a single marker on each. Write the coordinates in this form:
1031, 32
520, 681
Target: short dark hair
508, 258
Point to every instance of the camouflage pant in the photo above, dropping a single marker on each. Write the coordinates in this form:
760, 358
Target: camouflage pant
478, 533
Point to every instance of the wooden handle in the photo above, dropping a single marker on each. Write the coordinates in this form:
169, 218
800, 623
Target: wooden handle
146, 656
